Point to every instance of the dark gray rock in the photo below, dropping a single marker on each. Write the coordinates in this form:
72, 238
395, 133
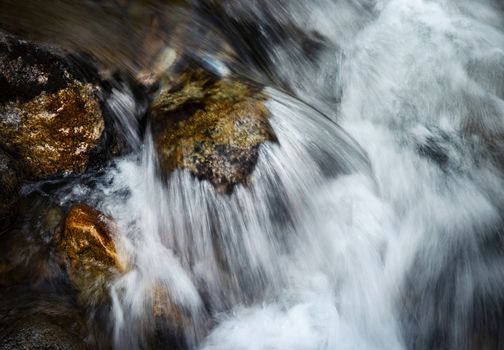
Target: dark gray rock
9, 189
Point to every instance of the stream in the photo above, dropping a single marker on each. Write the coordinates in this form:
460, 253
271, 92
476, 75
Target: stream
372, 222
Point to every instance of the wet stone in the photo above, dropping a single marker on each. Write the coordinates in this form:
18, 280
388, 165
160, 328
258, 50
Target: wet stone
50, 114
55, 133
88, 247
36, 332
34, 319
211, 126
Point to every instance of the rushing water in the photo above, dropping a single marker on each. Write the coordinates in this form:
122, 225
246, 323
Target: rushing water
384, 232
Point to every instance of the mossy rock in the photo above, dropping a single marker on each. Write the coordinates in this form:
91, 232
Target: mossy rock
50, 113
211, 126
91, 258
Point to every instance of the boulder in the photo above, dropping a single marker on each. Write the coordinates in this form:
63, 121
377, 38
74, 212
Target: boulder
50, 114
211, 126
91, 258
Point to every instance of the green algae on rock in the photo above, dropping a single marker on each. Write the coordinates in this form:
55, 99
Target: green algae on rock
211, 126
91, 257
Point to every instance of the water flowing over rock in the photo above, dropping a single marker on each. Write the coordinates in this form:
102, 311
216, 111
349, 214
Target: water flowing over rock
91, 257
170, 321
293, 175
211, 126
50, 115
93, 264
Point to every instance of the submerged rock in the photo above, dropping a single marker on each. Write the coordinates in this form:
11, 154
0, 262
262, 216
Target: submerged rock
211, 126
91, 258
9, 189
50, 114
171, 322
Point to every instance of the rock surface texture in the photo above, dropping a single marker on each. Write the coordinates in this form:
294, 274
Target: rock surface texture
50, 114
91, 257
211, 126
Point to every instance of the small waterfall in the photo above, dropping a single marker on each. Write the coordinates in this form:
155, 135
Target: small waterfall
235, 250
374, 222
333, 246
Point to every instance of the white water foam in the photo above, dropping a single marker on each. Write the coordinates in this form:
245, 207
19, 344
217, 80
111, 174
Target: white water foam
325, 250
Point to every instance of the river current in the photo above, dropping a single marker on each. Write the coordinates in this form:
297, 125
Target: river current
376, 220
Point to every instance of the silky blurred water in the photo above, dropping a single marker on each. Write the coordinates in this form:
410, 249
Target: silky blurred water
384, 232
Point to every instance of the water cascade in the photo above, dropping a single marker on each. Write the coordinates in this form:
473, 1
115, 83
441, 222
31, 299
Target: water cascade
372, 216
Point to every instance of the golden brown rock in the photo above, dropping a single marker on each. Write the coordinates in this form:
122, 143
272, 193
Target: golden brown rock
54, 133
87, 243
210, 126
50, 114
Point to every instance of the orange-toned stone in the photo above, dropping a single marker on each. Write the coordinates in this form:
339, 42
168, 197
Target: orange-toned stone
87, 242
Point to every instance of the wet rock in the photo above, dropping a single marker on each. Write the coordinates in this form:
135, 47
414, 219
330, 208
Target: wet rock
37, 332
27, 254
91, 258
40, 320
28, 69
170, 322
161, 323
55, 133
211, 126
50, 114
9, 189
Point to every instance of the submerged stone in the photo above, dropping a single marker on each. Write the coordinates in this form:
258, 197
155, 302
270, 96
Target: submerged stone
211, 126
91, 257
50, 115
170, 321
